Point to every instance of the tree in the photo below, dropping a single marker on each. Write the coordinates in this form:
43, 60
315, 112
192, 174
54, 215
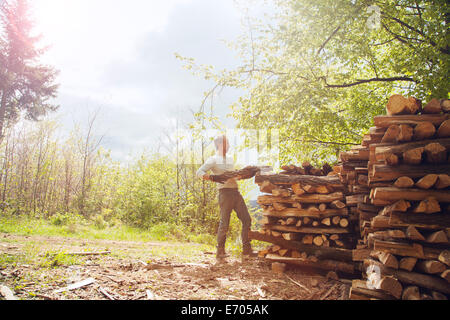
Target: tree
25, 84
320, 70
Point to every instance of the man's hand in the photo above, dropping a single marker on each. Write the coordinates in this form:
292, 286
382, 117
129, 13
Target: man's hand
206, 177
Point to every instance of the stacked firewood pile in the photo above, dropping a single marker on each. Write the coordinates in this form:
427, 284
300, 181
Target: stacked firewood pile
306, 218
405, 209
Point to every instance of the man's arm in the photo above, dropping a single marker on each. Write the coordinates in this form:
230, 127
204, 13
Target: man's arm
208, 165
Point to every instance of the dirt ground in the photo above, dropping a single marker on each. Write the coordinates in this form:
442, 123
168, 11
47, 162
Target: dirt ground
156, 270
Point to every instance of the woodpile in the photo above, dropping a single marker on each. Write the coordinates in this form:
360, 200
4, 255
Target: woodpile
403, 203
305, 215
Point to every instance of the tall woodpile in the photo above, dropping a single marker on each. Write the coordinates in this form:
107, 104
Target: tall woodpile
306, 218
403, 202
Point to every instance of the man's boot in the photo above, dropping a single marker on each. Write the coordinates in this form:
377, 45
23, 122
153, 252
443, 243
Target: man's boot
221, 254
247, 251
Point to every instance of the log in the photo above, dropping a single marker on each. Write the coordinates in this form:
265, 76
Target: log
430, 266
443, 181
405, 134
437, 237
444, 257
427, 182
386, 121
388, 259
388, 173
398, 104
295, 212
391, 286
404, 182
444, 129
321, 253
296, 187
337, 204
425, 130
280, 179
318, 241
428, 206
391, 134
395, 194
313, 230
343, 222
278, 206
321, 264
413, 234
245, 173
384, 149
280, 192
411, 293
359, 291
432, 222
400, 249
446, 275
445, 105
393, 160
267, 187
307, 239
407, 263
412, 157
413, 278
335, 220
326, 221
435, 153
432, 107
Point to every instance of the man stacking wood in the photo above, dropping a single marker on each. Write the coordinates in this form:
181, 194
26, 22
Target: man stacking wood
229, 196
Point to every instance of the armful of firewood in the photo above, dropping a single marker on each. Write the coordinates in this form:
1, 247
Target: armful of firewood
245, 173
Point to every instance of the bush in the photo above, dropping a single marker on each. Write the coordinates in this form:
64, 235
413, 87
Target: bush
64, 219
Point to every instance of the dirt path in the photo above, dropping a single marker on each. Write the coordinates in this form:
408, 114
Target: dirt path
34, 267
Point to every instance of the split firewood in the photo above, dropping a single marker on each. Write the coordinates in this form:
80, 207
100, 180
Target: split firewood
278, 206
337, 204
322, 207
411, 293
444, 129
430, 266
427, 182
323, 189
444, 257
283, 252
413, 156
279, 192
389, 260
326, 221
309, 189
445, 105
307, 239
404, 182
291, 221
434, 106
306, 220
335, 220
245, 173
296, 187
299, 223
443, 181
267, 187
398, 104
343, 222
435, 153
424, 130
407, 263
399, 206
414, 234
296, 254
428, 206
392, 159
297, 205
446, 275
405, 134
391, 134
438, 237
391, 286
438, 296
315, 223
318, 241
313, 209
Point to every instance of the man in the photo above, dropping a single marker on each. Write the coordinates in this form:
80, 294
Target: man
229, 197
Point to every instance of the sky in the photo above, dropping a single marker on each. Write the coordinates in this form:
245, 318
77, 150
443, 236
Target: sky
118, 57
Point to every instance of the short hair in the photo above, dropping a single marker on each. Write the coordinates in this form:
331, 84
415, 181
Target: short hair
219, 139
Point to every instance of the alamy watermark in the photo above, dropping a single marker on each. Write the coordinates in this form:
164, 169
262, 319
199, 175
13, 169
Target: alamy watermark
374, 20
